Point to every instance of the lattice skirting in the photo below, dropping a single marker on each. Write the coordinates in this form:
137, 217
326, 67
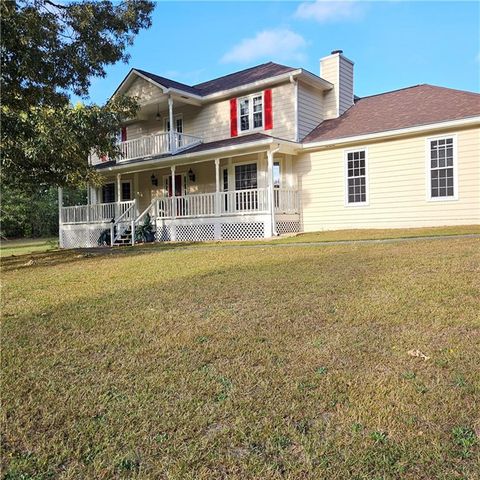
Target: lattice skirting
288, 226
203, 232
81, 236
242, 231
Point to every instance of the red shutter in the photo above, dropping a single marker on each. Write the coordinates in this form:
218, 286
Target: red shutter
233, 117
267, 99
124, 134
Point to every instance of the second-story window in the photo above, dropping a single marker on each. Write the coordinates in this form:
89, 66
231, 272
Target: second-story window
250, 112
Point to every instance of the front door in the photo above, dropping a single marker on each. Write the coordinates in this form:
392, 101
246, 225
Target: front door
178, 185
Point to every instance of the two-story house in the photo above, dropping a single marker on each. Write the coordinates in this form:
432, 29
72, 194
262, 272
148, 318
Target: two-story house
275, 149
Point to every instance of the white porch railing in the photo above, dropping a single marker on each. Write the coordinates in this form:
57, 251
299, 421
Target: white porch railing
151, 146
98, 212
237, 202
286, 200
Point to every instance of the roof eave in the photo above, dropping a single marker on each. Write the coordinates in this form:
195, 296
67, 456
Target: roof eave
286, 146
307, 146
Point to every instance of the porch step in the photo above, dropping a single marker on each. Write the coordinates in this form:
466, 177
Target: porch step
124, 240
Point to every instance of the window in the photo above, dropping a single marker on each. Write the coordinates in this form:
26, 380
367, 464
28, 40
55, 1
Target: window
108, 193
245, 176
277, 176
250, 112
442, 168
356, 177
126, 191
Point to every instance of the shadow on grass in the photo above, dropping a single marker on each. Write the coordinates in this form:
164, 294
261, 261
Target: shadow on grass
61, 257
109, 363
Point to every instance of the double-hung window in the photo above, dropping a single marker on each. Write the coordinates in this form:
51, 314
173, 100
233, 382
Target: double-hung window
250, 112
356, 181
441, 166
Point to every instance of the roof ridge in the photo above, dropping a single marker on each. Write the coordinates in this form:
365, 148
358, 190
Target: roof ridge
161, 76
416, 86
392, 91
237, 72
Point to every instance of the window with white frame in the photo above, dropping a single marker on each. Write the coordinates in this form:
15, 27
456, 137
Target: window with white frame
356, 177
250, 112
442, 172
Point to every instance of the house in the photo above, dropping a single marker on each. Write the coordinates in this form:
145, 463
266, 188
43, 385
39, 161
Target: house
273, 149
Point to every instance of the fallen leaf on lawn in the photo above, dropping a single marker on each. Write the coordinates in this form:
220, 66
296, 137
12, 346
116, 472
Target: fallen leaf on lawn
417, 353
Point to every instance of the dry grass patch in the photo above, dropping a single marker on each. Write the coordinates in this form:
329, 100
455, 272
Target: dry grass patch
245, 363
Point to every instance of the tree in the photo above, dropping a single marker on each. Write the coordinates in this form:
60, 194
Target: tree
49, 51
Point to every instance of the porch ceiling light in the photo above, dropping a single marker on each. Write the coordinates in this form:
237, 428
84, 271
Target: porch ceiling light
191, 175
154, 180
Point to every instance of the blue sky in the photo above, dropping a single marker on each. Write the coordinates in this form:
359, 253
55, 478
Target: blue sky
393, 43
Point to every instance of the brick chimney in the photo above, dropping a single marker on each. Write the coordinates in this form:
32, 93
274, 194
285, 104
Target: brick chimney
338, 70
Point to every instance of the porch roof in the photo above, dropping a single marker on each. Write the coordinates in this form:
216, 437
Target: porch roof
226, 147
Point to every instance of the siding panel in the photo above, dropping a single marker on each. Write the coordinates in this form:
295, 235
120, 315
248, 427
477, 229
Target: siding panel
397, 187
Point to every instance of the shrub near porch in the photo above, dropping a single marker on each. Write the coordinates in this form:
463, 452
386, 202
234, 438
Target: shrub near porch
286, 362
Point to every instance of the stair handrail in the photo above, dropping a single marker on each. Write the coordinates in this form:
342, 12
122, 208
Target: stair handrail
114, 237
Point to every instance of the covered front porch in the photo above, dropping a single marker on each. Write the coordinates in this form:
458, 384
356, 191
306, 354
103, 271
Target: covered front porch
253, 195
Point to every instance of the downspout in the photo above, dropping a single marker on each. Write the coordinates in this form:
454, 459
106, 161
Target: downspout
270, 155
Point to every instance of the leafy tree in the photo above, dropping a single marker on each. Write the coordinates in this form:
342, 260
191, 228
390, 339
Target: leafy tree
50, 50
33, 214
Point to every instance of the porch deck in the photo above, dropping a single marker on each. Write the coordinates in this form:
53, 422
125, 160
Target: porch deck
239, 214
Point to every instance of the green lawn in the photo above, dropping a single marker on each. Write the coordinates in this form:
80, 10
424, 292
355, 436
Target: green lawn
244, 363
24, 246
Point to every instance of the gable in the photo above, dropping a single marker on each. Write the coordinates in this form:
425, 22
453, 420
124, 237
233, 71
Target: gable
144, 90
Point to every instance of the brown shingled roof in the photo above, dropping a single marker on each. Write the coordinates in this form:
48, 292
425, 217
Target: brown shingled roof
237, 79
408, 107
244, 77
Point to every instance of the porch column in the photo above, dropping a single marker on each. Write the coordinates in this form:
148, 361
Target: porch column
170, 118
119, 194
174, 200
89, 201
271, 199
217, 188
60, 205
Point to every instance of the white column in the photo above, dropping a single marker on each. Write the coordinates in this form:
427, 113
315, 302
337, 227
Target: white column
174, 200
271, 200
135, 193
170, 118
119, 194
217, 188
89, 201
60, 205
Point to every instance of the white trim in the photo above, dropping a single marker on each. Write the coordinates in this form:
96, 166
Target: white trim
428, 169
252, 129
392, 133
366, 203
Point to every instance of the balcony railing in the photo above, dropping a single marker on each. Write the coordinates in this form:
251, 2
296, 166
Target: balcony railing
152, 145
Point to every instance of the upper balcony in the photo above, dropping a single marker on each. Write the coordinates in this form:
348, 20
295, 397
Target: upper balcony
149, 146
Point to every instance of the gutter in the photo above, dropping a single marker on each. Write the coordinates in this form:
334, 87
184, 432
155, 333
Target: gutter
391, 133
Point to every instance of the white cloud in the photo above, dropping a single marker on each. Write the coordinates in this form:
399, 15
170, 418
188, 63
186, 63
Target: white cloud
281, 43
328, 10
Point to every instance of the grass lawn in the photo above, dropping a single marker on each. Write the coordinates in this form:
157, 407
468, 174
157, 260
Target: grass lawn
24, 246
244, 363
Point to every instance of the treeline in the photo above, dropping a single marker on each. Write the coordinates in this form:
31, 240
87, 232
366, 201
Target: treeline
33, 213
